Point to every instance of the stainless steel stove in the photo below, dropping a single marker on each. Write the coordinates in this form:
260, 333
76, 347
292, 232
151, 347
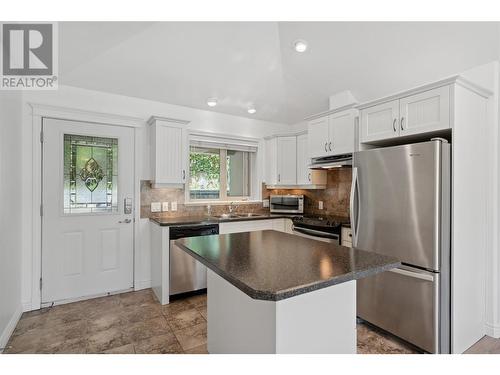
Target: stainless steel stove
319, 227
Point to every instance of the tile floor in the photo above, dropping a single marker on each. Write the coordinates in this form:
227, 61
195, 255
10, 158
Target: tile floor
136, 323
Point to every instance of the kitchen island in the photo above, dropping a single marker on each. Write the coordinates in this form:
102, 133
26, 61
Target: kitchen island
274, 292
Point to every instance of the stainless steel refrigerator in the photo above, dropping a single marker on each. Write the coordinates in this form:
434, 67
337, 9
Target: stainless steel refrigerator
400, 206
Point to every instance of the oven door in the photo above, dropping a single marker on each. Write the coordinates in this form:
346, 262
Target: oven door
317, 235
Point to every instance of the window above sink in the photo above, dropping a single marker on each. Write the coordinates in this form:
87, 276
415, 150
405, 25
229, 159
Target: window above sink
221, 170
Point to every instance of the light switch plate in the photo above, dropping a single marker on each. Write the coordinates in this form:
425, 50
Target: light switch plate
174, 206
155, 206
320, 205
164, 206
265, 203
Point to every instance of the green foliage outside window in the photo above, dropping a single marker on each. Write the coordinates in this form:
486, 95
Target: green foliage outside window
204, 170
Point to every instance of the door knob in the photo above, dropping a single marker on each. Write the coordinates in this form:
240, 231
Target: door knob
126, 221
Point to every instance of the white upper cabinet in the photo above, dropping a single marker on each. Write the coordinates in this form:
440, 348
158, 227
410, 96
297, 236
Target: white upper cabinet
270, 162
419, 113
318, 137
287, 160
303, 172
332, 134
287, 164
169, 151
341, 133
427, 111
380, 121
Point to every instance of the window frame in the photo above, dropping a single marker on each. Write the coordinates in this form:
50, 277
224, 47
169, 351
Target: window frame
223, 197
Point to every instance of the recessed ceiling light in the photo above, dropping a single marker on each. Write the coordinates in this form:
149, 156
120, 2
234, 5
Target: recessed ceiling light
212, 102
252, 110
300, 45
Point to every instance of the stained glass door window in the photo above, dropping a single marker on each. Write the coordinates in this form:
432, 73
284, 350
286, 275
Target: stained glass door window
90, 174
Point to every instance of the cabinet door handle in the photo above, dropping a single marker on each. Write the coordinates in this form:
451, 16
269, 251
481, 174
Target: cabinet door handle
330, 146
394, 125
326, 146
279, 177
402, 120
309, 176
183, 175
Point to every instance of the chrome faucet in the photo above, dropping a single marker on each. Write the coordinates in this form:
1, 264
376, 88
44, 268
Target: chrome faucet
231, 208
209, 210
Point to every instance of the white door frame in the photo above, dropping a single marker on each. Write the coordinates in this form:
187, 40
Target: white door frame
39, 112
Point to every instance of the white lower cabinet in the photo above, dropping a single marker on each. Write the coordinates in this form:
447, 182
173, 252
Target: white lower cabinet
245, 226
280, 225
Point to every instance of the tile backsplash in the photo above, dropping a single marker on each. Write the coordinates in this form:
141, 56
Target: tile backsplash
335, 199
148, 195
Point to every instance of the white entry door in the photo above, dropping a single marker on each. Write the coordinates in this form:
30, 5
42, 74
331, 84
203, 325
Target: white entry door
88, 221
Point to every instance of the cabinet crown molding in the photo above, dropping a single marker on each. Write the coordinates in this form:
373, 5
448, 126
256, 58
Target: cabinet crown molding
153, 119
291, 134
456, 79
331, 112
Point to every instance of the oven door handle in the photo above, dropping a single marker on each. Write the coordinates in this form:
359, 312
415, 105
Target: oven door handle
316, 233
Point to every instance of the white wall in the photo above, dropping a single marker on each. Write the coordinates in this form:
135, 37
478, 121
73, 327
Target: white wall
10, 213
88, 100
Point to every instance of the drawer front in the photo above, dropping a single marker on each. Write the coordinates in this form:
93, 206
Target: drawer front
404, 303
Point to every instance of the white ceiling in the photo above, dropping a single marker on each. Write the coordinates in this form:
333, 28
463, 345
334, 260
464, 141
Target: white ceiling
245, 64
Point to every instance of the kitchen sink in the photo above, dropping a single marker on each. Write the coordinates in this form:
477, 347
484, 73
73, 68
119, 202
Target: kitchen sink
227, 216
250, 214
236, 216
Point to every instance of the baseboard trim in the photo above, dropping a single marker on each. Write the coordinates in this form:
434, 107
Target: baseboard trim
143, 284
492, 330
27, 306
9, 329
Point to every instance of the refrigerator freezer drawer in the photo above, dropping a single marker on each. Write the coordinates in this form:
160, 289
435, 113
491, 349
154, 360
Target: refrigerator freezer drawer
404, 302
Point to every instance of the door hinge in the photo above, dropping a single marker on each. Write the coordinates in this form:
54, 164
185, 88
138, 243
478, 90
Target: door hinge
41, 136
40, 283
41, 209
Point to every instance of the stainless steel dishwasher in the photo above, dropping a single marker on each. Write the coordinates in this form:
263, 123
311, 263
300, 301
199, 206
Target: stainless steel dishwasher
186, 273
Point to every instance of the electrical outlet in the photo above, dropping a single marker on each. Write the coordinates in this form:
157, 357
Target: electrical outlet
164, 206
320, 205
174, 206
155, 206
265, 203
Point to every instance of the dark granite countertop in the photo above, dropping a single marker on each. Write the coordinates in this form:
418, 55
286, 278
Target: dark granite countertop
271, 265
169, 221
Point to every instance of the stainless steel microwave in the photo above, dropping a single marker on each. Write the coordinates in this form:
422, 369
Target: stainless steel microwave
287, 204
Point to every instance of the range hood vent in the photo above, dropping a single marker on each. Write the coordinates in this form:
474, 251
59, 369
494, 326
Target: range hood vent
329, 162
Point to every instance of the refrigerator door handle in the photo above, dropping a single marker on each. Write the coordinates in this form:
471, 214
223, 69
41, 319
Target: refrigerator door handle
352, 208
415, 275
